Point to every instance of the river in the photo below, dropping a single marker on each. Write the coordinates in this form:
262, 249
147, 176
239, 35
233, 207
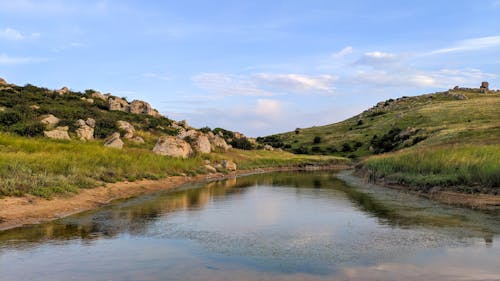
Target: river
274, 226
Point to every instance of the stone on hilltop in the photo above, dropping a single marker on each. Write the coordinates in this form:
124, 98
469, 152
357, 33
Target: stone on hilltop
142, 107
3, 82
64, 90
116, 103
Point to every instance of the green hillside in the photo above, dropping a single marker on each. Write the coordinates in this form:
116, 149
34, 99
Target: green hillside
458, 116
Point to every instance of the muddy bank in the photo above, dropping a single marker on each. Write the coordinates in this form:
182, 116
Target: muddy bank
19, 211
478, 201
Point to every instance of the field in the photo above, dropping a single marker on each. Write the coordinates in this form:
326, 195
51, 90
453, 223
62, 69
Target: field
43, 167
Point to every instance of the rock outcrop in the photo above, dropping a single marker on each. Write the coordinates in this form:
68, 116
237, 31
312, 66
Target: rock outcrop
201, 143
50, 120
127, 128
229, 165
142, 107
210, 169
218, 143
60, 133
116, 103
3, 82
91, 101
172, 146
98, 95
85, 129
63, 91
114, 141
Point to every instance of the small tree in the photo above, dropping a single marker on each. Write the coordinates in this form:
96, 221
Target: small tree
317, 139
297, 131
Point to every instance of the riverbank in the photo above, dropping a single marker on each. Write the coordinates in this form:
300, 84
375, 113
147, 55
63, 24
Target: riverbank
479, 201
29, 209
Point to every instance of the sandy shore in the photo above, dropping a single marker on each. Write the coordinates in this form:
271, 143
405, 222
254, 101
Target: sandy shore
19, 211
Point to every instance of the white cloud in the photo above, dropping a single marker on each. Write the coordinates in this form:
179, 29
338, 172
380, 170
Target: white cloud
377, 58
472, 44
9, 60
342, 53
265, 84
268, 107
11, 34
297, 83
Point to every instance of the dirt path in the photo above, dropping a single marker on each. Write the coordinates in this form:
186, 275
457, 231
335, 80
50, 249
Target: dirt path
19, 211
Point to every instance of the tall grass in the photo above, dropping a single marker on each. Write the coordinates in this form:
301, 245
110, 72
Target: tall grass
465, 166
43, 167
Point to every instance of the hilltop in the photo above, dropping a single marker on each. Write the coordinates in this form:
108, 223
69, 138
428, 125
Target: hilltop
459, 115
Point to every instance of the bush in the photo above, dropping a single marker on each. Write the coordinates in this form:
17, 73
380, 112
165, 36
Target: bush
8, 118
301, 150
317, 139
30, 129
346, 147
242, 143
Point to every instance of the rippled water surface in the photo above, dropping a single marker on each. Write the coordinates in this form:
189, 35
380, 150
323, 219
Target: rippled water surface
278, 226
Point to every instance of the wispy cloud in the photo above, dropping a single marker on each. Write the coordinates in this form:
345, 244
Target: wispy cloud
377, 58
265, 84
472, 44
15, 35
10, 60
342, 53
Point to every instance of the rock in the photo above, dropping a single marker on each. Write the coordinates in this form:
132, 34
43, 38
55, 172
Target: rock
64, 90
207, 162
456, 88
459, 96
210, 169
85, 129
3, 82
219, 143
201, 143
60, 133
238, 135
91, 101
49, 120
137, 139
98, 95
485, 85
90, 122
229, 165
190, 133
127, 127
116, 103
172, 146
85, 132
34, 107
142, 107
114, 141
268, 147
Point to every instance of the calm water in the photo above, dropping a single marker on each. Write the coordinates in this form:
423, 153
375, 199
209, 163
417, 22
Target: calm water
279, 226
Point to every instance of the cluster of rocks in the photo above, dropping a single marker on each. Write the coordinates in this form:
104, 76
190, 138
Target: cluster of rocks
85, 131
188, 141
484, 89
135, 107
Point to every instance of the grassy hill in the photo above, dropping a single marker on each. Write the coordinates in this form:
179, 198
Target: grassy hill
448, 140
432, 119
33, 164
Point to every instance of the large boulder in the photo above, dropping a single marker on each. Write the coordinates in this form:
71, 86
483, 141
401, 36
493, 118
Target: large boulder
3, 82
60, 133
116, 103
85, 129
268, 147
114, 141
98, 95
50, 120
219, 143
172, 146
142, 107
229, 165
127, 128
201, 143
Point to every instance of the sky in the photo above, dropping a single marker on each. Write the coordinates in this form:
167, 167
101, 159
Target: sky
257, 67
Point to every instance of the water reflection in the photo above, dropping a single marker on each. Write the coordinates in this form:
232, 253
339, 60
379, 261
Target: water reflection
279, 226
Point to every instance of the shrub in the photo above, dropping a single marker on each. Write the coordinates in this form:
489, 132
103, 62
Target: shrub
8, 118
242, 143
29, 129
346, 147
317, 139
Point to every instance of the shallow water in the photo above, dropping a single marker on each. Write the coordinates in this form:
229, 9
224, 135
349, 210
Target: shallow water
277, 226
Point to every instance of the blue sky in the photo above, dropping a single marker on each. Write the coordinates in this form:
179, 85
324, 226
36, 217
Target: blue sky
258, 67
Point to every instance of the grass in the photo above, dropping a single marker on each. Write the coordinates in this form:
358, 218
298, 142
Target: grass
44, 167
437, 119
466, 168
